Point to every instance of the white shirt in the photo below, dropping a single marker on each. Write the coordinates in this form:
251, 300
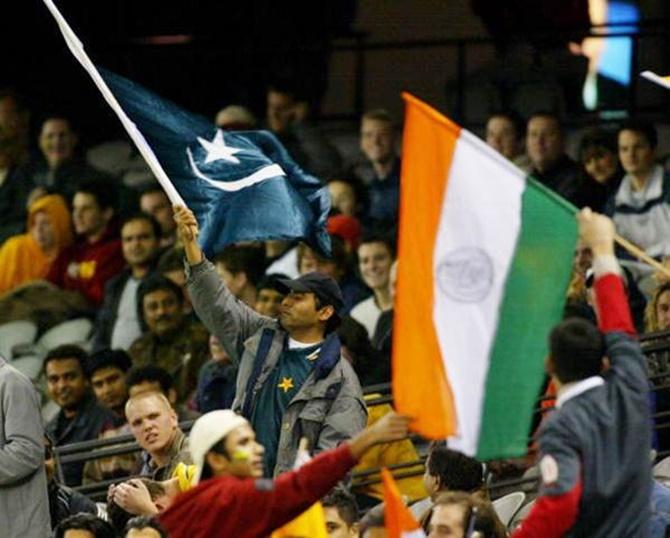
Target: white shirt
572, 390
127, 327
367, 313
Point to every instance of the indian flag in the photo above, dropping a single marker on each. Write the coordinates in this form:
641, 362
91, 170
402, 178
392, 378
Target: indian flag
485, 258
398, 520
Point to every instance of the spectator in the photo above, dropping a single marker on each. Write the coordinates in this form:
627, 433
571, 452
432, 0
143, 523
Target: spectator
448, 470
545, 145
579, 494
641, 207
106, 371
24, 507
117, 325
348, 196
460, 515
338, 267
154, 425
60, 170
375, 257
15, 124
657, 314
154, 378
346, 228
63, 501
269, 298
301, 348
235, 118
139, 497
171, 341
357, 349
154, 202
29, 256
657, 318
341, 514
241, 267
216, 380
382, 339
84, 526
288, 118
382, 176
505, 132
15, 181
81, 417
96, 256
144, 527
602, 173
237, 503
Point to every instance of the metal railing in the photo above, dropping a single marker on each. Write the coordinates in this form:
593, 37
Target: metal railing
126, 444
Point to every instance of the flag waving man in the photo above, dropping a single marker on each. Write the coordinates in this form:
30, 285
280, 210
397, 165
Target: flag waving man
292, 381
241, 186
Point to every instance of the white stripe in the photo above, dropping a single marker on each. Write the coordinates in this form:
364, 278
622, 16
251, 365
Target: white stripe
77, 50
267, 172
482, 210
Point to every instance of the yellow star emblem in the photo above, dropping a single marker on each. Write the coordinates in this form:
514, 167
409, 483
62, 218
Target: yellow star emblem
286, 384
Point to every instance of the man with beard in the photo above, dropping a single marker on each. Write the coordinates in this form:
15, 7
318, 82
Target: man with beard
173, 341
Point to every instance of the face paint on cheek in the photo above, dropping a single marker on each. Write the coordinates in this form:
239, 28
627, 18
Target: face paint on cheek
240, 455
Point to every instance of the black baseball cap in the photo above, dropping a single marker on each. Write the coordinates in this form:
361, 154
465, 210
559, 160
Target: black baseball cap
323, 286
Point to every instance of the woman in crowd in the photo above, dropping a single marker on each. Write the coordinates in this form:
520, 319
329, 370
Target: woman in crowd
28, 256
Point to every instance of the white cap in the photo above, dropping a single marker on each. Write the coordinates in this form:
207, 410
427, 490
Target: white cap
208, 430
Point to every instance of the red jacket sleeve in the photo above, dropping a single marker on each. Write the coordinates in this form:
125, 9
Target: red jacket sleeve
551, 516
248, 507
612, 305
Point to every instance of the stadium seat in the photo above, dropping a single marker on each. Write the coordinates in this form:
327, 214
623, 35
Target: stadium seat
508, 505
30, 366
74, 331
15, 333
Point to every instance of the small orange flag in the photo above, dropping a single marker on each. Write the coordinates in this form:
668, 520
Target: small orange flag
399, 521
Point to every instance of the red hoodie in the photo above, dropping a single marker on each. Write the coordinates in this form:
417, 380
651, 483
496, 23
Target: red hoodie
86, 267
249, 508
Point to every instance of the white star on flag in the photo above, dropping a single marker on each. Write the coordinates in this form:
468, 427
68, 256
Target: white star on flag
217, 149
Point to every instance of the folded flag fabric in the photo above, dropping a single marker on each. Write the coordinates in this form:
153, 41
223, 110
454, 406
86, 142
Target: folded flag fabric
484, 261
242, 186
398, 520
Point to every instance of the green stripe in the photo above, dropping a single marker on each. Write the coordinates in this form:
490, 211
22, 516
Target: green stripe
532, 304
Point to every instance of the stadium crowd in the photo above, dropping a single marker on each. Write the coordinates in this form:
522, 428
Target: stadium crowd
267, 344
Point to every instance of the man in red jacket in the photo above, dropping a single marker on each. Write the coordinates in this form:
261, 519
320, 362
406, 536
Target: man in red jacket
96, 256
232, 498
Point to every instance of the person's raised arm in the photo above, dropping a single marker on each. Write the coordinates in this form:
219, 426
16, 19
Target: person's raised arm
229, 319
611, 304
295, 491
187, 231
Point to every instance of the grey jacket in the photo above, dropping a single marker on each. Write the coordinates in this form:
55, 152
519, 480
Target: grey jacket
24, 504
328, 408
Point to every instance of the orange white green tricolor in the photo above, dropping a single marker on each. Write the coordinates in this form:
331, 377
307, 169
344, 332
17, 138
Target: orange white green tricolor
398, 520
484, 261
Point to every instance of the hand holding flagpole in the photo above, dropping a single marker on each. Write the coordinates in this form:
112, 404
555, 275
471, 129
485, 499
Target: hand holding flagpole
187, 231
